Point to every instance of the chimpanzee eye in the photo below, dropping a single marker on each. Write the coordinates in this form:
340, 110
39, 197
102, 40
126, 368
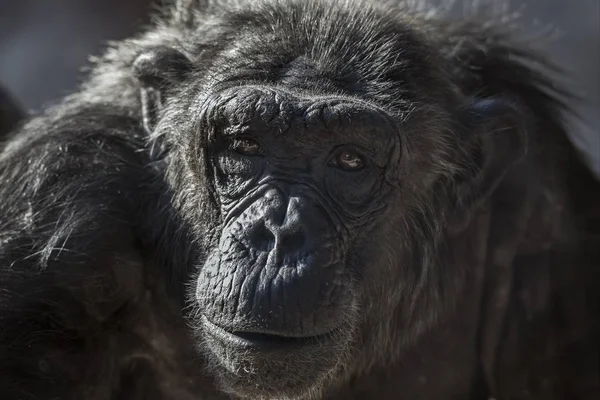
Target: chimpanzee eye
347, 160
246, 147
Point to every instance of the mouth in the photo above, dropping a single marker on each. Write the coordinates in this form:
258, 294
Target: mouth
255, 363
263, 341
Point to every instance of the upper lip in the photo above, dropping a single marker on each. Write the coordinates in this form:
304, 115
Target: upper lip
260, 340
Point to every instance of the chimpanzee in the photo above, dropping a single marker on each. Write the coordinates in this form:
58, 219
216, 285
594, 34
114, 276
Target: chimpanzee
285, 199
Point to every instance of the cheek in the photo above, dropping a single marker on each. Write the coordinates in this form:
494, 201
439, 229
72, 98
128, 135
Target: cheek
235, 174
228, 266
380, 257
359, 193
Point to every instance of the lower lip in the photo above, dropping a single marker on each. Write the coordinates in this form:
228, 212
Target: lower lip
277, 342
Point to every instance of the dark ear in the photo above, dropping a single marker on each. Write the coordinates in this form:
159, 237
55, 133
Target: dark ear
495, 140
158, 71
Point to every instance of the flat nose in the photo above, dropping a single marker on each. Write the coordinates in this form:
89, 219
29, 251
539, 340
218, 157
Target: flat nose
281, 225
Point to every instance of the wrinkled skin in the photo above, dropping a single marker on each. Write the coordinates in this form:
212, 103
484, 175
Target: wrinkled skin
283, 276
280, 200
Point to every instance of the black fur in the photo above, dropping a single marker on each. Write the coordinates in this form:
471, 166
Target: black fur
472, 270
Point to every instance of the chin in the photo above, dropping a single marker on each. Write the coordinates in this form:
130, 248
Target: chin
267, 366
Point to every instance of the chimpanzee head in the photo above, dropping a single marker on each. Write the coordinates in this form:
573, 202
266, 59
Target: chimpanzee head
319, 162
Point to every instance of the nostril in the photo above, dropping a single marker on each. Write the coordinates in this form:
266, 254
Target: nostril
293, 241
262, 238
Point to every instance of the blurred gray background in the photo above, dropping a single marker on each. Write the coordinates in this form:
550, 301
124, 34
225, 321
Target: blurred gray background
45, 43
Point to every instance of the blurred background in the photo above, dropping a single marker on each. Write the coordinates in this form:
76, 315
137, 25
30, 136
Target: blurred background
45, 43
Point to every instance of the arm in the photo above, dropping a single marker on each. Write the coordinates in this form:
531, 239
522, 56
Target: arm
69, 198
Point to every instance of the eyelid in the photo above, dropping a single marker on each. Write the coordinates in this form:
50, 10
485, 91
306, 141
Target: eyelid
365, 159
231, 142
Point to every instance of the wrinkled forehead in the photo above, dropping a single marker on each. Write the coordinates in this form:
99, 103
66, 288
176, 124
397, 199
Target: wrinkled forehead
253, 109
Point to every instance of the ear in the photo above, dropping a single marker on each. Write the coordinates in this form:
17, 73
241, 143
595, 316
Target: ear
158, 70
495, 140
501, 128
